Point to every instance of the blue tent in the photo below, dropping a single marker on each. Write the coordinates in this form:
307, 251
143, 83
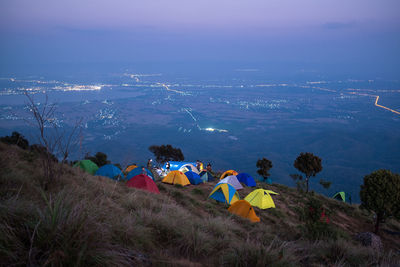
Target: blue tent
193, 177
177, 165
206, 176
110, 171
137, 171
224, 193
246, 179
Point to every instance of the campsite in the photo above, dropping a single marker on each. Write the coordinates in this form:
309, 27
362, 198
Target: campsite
170, 221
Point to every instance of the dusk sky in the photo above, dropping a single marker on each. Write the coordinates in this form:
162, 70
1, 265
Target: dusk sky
336, 31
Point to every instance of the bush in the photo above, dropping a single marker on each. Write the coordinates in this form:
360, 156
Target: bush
316, 221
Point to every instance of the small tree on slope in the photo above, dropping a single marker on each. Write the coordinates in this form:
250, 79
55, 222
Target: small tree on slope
380, 193
264, 165
309, 164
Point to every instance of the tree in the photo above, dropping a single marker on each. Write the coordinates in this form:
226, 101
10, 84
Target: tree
325, 184
264, 165
100, 159
309, 164
380, 193
166, 153
16, 139
55, 142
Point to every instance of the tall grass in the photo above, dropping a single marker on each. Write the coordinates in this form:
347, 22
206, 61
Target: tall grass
85, 220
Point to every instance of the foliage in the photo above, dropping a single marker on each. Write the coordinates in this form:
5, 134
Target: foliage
309, 164
99, 158
43, 152
16, 139
380, 193
166, 153
316, 221
325, 184
264, 165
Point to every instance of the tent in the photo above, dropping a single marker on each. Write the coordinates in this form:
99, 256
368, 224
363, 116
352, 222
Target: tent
130, 167
246, 179
261, 198
110, 171
189, 167
243, 209
181, 166
341, 196
206, 176
224, 193
233, 181
87, 165
137, 171
176, 177
193, 177
143, 182
227, 173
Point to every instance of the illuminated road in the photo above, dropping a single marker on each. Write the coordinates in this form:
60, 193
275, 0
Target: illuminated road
376, 102
171, 90
392, 110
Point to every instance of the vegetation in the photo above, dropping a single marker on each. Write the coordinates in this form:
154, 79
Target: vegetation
264, 165
54, 142
16, 139
99, 158
166, 153
325, 184
380, 193
310, 165
73, 222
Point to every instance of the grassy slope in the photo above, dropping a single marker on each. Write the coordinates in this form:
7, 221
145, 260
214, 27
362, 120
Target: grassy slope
87, 220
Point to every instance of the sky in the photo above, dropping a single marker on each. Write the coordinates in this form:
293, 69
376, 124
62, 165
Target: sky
356, 33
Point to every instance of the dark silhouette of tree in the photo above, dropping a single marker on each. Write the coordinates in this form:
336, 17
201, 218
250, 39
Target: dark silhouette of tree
99, 158
54, 141
16, 139
309, 164
264, 165
166, 153
380, 193
325, 184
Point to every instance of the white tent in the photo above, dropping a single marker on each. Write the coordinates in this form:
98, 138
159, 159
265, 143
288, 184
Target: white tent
233, 181
189, 167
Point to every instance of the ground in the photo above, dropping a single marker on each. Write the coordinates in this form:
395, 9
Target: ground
80, 219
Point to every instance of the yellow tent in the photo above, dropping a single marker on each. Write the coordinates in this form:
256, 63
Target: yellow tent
243, 209
176, 177
261, 198
130, 167
228, 173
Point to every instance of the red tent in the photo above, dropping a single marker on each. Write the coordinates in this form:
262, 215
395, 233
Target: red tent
144, 182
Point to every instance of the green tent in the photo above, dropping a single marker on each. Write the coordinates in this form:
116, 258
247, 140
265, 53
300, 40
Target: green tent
341, 196
87, 165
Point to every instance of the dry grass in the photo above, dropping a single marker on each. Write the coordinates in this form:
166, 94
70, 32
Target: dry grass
87, 220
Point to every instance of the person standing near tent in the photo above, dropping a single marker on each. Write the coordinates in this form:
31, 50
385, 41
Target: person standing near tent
144, 171
198, 164
209, 167
150, 164
167, 166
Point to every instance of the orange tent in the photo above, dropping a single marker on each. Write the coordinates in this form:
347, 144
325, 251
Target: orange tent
130, 167
243, 209
176, 177
228, 173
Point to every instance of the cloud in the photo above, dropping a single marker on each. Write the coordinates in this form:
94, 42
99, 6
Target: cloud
338, 25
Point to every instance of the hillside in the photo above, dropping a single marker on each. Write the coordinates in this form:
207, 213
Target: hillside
86, 220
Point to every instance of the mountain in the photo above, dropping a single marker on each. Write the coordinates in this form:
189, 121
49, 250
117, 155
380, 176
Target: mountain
80, 219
